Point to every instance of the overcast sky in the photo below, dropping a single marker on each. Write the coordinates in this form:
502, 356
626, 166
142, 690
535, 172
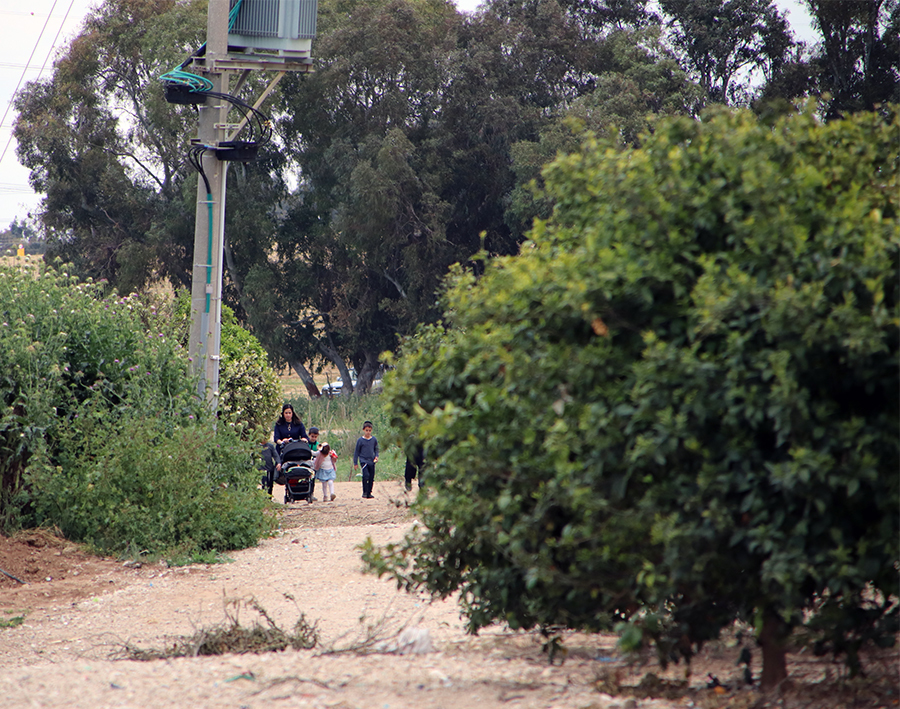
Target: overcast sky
30, 38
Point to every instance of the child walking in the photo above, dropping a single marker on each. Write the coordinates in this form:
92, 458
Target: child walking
366, 452
325, 472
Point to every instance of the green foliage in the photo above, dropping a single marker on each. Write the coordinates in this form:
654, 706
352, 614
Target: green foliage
406, 135
65, 349
249, 389
249, 392
678, 404
182, 492
101, 433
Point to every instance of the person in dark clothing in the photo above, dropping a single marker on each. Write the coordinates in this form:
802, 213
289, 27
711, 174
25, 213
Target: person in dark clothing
366, 452
270, 459
288, 428
414, 466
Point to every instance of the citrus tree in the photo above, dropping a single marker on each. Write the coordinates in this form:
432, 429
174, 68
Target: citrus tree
677, 406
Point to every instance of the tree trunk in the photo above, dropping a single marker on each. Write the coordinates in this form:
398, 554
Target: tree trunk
232, 270
329, 351
308, 381
771, 642
367, 374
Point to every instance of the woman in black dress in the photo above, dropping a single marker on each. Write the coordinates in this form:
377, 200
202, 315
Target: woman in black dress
288, 427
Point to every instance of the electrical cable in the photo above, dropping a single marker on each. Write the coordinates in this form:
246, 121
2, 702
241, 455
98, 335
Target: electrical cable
263, 122
56, 38
185, 78
259, 125
192, 81
21, 78
195, 157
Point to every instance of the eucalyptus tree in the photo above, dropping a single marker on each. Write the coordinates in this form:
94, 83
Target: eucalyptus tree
362, 240
643, 83
402, 139
721, 42
106, 150
858, 58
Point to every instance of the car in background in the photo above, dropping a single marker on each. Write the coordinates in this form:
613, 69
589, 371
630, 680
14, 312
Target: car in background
336, 388
333, 389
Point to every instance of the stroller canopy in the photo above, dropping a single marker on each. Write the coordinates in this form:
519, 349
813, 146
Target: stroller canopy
296, 450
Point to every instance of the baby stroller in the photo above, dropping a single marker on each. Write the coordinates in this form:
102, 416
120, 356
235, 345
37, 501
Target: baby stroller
297, 474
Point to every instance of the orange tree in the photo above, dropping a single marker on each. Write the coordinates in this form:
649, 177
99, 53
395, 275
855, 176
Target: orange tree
677, 406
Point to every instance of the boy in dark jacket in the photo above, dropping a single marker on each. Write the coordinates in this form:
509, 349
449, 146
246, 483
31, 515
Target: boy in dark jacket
366, 452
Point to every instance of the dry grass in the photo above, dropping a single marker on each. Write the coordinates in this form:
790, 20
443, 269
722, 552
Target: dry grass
293, 387
41, 537
231, 637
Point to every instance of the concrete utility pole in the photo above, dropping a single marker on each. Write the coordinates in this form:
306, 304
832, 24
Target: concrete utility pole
209, 230
256, 50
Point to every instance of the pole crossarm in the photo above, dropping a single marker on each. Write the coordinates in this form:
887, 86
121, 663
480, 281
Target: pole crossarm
254, 63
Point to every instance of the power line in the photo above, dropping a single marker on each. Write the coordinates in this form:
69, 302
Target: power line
12, 65
7, 190
23, 13
22, 77
55, 40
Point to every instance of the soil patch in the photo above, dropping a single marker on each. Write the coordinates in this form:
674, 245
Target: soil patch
49, 570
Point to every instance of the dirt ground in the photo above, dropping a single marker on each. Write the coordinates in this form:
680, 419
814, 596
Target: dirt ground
62, 630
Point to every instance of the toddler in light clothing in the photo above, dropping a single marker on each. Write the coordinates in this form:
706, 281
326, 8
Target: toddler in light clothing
325, 472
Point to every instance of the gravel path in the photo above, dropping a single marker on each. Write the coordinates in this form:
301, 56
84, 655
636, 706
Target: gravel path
60, 656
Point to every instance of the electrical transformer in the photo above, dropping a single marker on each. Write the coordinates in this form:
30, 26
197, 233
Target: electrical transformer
283, 26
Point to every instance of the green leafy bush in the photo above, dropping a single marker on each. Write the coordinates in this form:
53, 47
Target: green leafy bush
249, 388
101, 432
250, 391
678, 405
186, 491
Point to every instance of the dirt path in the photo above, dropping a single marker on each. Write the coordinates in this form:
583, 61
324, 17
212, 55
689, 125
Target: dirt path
79, 611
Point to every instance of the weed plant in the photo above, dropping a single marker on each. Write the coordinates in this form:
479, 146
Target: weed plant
13, 622
187, 492
234, 637
101, 431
